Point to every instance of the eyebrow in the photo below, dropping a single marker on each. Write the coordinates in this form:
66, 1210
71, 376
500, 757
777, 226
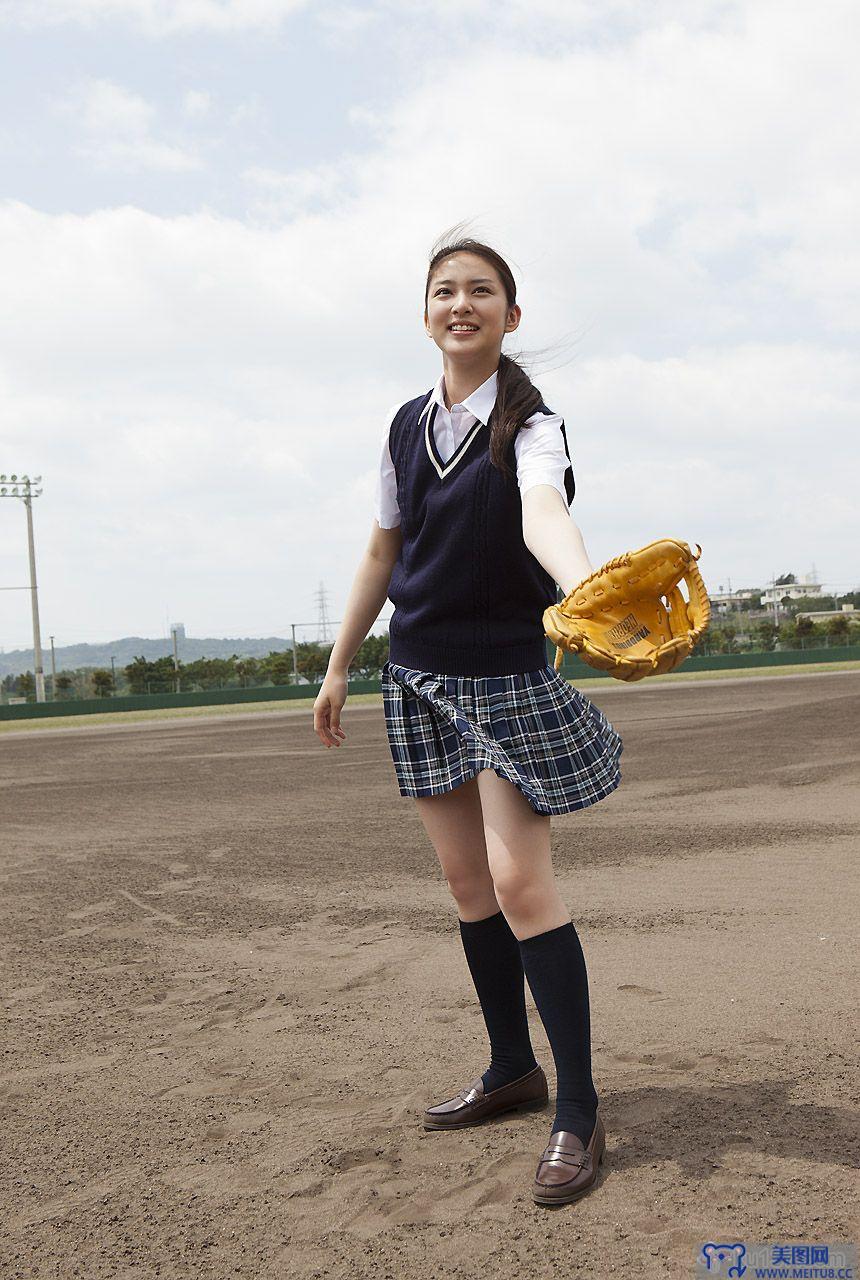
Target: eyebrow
476, 280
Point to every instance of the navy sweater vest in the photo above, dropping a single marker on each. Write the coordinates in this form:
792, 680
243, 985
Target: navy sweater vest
468, 594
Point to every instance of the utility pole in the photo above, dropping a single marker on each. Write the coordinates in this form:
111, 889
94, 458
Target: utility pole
323, 620
53, 673
21, 487
175, 662
295, 659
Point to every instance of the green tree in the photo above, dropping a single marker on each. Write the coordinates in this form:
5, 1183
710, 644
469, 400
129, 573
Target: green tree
787, 634
102, 682
151, 677
248, 670
312, 661
209, 673
837, 629
766, 633
371, 657
720, 638
278, 667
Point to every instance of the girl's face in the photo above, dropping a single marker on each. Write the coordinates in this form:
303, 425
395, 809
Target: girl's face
466, 290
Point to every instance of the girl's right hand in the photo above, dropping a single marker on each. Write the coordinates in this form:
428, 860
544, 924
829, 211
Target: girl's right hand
327, 708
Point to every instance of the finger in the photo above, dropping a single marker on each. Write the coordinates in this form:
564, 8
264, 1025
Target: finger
326, 734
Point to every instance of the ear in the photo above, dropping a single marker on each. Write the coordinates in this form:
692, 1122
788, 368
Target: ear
514, 317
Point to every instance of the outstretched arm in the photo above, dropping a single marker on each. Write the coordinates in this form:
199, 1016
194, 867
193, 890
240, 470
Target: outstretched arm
553, 537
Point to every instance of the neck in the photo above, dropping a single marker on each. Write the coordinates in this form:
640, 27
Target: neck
462, 378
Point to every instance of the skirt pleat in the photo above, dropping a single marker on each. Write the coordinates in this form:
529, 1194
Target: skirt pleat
532, 728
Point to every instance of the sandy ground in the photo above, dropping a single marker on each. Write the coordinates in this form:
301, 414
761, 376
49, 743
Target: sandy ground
232, 979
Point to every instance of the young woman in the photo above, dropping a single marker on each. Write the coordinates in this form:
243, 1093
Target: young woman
472, 533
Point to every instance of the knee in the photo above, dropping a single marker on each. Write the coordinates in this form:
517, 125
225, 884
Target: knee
518, 894
471, 891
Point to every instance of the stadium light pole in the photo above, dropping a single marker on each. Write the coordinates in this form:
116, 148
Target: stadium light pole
21, 487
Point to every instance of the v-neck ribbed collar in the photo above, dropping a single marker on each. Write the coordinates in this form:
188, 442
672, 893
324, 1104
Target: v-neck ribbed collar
480, 404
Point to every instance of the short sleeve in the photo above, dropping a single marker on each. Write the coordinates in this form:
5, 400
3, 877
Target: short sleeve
387, 509
542, 457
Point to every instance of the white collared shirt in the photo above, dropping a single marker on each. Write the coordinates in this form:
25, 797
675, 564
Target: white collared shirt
540, 454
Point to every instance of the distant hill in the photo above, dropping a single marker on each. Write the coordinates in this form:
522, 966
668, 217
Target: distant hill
69, 657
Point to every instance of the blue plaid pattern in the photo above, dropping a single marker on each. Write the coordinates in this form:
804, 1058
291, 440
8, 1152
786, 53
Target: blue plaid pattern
532, 727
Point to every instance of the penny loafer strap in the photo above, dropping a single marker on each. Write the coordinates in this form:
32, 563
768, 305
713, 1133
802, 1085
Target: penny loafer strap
563, 1156
470, 1095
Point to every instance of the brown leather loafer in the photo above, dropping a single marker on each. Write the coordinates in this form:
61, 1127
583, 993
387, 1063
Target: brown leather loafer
567, 1168
473, 1106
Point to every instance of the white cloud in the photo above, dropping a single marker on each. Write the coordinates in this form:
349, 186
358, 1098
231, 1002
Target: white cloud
365, 118
745, 449
197, 103
251, 111
343, 22
284, 195
546, 20
116, 133
155, 17
105, 107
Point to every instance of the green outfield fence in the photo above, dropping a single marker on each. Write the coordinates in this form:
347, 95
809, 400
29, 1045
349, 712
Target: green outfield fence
572, 668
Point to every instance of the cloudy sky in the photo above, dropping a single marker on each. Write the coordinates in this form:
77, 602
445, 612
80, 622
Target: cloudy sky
216, 217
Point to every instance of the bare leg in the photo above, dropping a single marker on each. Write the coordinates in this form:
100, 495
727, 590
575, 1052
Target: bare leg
519, 858
455, 825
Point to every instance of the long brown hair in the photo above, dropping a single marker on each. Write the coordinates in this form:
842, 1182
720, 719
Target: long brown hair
517, 398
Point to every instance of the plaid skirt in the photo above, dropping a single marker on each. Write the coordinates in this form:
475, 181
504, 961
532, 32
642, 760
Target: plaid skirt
532, 728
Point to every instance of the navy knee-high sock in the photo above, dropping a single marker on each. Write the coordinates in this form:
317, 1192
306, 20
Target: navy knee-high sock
495, 963
555, 968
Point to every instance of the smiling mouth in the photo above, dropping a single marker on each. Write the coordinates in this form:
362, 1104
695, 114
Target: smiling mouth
457, 329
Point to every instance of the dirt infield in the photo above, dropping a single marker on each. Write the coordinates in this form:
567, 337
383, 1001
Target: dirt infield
232, 979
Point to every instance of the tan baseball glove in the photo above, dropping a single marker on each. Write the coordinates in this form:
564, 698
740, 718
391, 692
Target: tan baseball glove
629, 618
